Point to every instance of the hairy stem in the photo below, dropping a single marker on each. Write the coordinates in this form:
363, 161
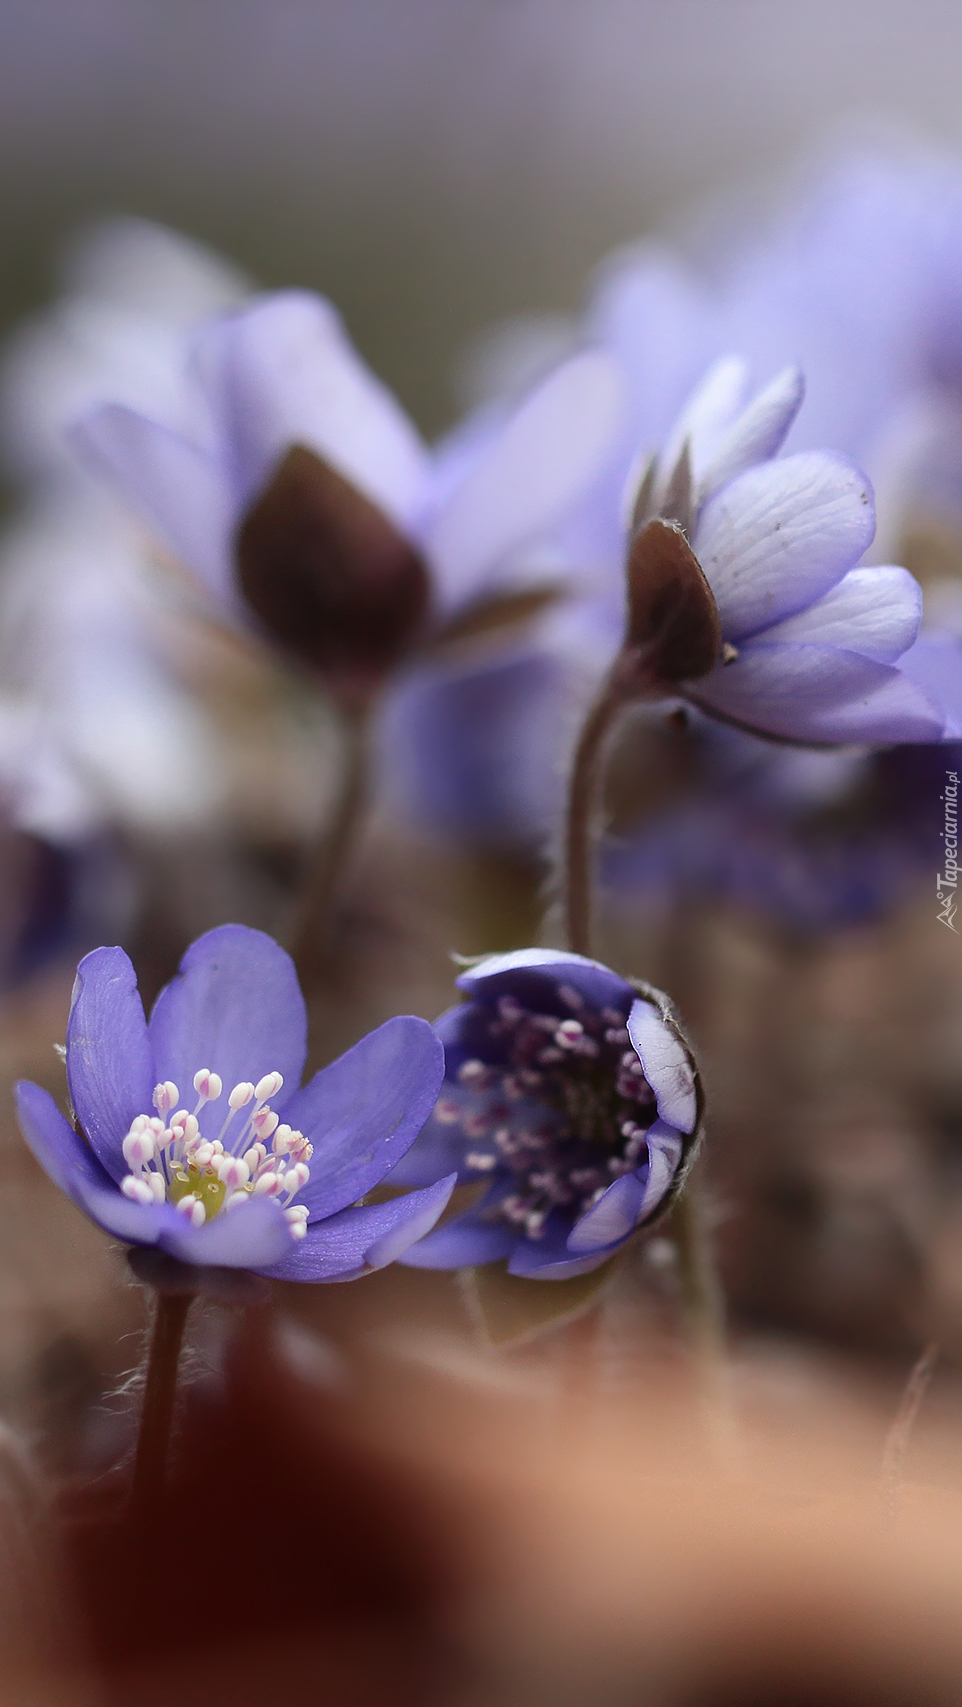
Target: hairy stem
153, 1444
900, 1433
582, 817
310, 936
704, 1306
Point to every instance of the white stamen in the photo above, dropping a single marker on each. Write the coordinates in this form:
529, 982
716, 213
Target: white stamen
241, 1095
208, 1085
236, 1199
234, 1173
136, 1188
447, 1112
268, 1086
165, 1096
139, 1149
264, 1122
266, 1185
192, 1210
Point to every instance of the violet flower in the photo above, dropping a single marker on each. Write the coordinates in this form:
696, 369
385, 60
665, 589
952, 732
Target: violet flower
295, 487
779, 630
192, 1134
574, 1096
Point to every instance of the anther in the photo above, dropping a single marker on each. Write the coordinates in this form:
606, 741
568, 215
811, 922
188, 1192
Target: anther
241, 1095
137, 1189
139, 1149
192, 1210
208, 1085
266, 1185
264, 1122
268, 1086
447, 1112
165, 1096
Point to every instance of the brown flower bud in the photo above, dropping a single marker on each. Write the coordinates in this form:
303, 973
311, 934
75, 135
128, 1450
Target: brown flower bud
329, 577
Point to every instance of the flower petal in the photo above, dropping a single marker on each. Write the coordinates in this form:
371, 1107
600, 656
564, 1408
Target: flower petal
364, 1111
529, 473
357, 1240
236, 1007
934, 664
872, 611
819, 694
777, 538
467, 1239
283, 372
252, 1236
548, 1258
540, 971
73, 1167
758, 433
666, 1065
708, 415
613, 1217
175, 487
110, 1068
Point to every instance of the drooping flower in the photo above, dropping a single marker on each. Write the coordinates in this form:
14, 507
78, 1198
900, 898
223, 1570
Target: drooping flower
193, 1133
573, 1095
745, 589
294, 486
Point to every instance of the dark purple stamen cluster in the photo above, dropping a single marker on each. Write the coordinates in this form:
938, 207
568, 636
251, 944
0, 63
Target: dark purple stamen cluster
565, 1110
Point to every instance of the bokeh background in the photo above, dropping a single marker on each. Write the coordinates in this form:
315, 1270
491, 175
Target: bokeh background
434, 164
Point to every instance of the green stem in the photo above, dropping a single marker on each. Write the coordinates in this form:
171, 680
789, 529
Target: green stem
153, 1444
310, 937
582, 818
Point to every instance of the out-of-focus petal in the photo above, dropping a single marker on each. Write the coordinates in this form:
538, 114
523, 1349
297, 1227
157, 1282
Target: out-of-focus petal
549, 1258
176, 488
527, 475
613, 1217
283, 372
466, 1241
780, 536
110, 1069
934, 664
872, 611
253, 1236
364, 1111
666, 1065
708, 415
820, 694
539, 970
759, 432
357, 1240
236, 1007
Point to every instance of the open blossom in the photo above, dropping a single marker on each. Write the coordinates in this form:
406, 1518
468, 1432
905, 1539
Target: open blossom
573, 1096
294, 486
746, 591
193, 1134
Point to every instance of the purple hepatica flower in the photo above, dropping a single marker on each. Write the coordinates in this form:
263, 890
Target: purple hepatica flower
576, 1098
783, 635
295, 487
257, 1174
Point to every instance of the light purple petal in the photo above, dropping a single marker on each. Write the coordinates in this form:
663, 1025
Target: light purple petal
72, 1167
252, 1236
819, 694
60, 1151
110, 1069
758, 433
541, 966
665, 1148
613, 1217
708, 415
364, 1111
439, 1150
666, 1066
548, 1258
934, 664
777, 538
872, 611
236, 1007
357, 1240
474, 1237
176, 488
283, 372
527, 475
